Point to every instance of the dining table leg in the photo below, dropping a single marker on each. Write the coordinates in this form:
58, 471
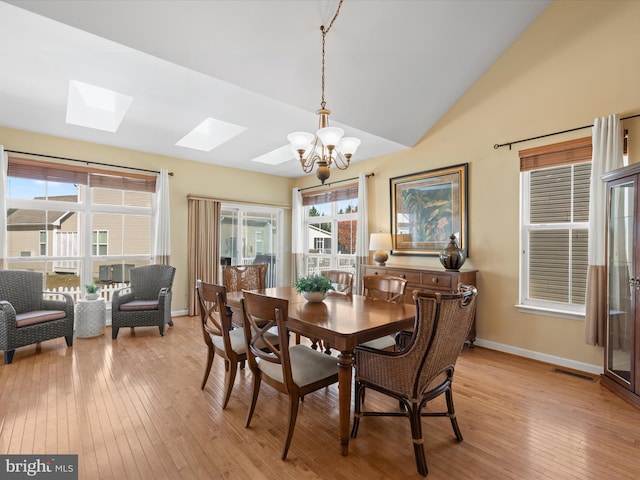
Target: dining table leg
345, 364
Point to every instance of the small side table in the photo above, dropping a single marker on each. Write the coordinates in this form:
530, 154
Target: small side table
90, 317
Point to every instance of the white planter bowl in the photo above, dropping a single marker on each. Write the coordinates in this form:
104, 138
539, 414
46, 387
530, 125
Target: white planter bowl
314, 296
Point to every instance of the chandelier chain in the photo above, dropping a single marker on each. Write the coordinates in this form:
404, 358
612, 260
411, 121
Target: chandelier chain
324, 35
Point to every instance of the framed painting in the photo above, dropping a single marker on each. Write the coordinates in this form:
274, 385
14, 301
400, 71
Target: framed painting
426, 208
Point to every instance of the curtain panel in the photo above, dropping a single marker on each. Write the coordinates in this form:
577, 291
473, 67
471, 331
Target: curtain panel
204, 251
161, 220
607, 156
4, 161
362, 236
297, 235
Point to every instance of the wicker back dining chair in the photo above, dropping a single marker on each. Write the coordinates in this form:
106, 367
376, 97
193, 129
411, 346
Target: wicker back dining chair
296, 370
390, 289
28, 315
424, 369
146, 301
244, 277
221, 336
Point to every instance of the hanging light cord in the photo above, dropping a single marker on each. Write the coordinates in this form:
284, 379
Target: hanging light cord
324, 34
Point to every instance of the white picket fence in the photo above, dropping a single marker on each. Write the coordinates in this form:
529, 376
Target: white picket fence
106, 291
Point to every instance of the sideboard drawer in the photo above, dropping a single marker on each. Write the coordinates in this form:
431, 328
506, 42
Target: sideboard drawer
409, 275
438, 281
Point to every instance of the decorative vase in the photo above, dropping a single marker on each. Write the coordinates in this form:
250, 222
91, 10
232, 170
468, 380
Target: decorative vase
91, 296
314, 296
452, 257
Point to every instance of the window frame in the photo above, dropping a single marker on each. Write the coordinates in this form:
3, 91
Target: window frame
573, 152
86, 179
333, 260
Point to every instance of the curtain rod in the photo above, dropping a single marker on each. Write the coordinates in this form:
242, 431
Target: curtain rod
337, 181
497, 146
194, 196
87, 162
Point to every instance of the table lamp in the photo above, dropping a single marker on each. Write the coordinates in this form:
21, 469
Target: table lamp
379, 242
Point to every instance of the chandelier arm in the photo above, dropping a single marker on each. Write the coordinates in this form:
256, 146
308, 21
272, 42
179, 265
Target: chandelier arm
341, 161
312, 157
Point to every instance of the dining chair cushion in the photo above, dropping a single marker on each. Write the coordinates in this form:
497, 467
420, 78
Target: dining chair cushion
381, 343
307, 366
238, 345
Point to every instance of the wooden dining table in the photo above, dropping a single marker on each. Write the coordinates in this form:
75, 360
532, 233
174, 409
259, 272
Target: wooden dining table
342, 322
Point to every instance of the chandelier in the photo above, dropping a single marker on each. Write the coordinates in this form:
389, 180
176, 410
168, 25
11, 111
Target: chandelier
328, 146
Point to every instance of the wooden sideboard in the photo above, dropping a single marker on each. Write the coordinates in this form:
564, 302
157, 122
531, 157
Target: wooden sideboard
425, 280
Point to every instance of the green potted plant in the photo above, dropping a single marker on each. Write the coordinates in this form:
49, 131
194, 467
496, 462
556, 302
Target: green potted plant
92, 291
314, 287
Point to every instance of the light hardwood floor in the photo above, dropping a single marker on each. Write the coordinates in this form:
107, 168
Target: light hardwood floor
133, 408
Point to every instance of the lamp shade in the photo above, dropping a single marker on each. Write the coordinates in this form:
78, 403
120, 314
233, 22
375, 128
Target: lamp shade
349, 145
300, 140
330, 135
380, 241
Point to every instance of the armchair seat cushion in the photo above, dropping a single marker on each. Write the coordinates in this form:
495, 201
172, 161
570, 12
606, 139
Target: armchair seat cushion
38, 316
137, 305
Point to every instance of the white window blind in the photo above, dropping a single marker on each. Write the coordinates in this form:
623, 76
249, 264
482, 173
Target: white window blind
554, 225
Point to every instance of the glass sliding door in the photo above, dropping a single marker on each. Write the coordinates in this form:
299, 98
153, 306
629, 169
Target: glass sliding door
252, 234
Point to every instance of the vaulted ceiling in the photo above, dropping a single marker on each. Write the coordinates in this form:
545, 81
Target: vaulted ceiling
393, 68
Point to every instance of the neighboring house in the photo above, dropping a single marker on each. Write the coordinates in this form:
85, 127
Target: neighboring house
36, 233
319, 240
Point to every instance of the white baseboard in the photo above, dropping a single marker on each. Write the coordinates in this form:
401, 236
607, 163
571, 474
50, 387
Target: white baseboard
542, 357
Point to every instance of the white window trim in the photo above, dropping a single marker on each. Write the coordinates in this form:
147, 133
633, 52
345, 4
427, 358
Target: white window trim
528, 305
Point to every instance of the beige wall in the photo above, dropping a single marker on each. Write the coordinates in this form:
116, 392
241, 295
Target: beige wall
578, 61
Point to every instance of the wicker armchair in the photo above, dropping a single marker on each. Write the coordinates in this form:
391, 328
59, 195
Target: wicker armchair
26, 316
422, 371
146, 302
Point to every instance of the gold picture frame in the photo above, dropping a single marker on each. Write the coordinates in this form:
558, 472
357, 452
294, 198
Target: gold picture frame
426, 208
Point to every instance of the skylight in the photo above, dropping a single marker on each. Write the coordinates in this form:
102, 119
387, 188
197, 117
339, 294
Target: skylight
96, 107
209, 134
276, 157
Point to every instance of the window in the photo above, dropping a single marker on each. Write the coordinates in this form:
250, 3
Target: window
331, 219
80, 224
100, 242
555, 226
252, 234
43, 243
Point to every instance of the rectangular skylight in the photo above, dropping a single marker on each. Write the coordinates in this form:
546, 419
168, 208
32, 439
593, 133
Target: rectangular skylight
276, 157
96, 107
210, 134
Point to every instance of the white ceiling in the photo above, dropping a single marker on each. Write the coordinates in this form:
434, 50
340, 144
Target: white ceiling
393, 68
